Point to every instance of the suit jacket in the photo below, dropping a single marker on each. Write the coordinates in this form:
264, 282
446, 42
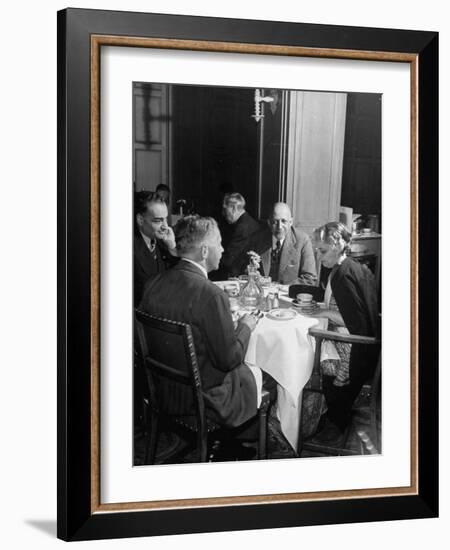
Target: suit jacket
184, 294
234, 258
354, 289
146, 264
297, 262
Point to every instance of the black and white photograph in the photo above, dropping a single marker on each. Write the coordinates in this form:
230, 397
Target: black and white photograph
257, 231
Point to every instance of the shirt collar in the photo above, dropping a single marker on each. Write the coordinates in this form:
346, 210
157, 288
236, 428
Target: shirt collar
202, 269
240, 216
151, 243
274, 242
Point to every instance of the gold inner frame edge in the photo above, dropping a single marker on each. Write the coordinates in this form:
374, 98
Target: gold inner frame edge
97, 41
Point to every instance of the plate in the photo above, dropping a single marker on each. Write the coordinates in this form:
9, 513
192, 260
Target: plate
305, 305
281, 314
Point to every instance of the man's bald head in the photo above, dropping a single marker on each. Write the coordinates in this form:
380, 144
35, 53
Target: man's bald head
281, 220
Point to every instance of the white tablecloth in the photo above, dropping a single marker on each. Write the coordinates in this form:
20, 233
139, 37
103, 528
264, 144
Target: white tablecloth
284, 350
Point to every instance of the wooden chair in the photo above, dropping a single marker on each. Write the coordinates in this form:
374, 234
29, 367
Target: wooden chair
167, 355
370, 441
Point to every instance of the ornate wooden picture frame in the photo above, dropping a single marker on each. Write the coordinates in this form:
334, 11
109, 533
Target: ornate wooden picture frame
81, 36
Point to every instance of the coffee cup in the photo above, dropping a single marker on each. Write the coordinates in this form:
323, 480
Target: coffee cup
304, 297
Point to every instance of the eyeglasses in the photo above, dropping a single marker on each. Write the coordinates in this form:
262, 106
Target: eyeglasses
282, 221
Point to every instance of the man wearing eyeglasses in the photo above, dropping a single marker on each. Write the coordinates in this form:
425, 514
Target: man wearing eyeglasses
286, 252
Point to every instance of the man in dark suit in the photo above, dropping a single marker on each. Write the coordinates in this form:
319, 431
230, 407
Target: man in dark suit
154, 241
286, 252
240, 226
185, 294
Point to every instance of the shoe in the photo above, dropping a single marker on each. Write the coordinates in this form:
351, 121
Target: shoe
323, 422
329, 436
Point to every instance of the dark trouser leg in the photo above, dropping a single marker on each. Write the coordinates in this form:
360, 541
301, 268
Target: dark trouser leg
340, 399
249, 430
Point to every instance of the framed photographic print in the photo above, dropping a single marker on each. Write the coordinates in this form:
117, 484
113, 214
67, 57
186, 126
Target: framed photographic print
197, 389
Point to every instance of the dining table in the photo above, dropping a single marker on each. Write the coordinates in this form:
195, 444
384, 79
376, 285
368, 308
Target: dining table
281, 346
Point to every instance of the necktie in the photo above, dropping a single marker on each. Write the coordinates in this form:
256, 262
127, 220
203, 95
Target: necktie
153, 249
275, 261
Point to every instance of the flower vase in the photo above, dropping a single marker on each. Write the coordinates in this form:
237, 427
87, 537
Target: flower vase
252, 294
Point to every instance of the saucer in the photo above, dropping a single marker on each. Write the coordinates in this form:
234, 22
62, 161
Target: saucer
281, 314
311, 303
305, 307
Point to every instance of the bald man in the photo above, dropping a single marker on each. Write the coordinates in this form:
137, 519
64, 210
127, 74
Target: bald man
286, 252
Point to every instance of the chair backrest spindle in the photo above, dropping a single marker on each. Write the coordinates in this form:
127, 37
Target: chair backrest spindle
170, 362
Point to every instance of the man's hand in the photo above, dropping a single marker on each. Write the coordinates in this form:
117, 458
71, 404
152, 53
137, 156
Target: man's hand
169, 240
249, 320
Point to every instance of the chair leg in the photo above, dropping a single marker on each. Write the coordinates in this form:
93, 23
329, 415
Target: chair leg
202, 446
262, 443
375, 405
151, 439
374, 423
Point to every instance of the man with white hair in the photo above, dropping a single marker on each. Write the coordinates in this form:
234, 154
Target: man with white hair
185, 294
286, 252
241, 227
